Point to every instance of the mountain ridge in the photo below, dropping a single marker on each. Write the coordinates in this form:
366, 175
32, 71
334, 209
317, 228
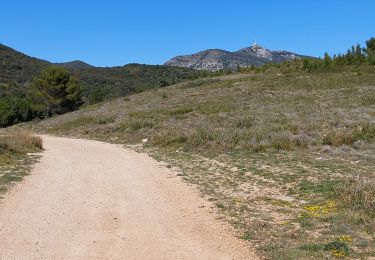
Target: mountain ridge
218, 59
17, 71
75, 64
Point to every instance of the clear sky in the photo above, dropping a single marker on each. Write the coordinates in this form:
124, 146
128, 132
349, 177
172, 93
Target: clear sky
110, 32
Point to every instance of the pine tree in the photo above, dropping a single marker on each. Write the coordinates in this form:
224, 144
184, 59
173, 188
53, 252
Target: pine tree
55, 92
370, 50
327, 60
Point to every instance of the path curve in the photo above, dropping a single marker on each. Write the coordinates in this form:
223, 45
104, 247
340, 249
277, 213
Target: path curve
93, 200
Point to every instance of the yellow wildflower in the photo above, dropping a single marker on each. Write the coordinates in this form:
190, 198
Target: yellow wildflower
337, 253
346, 238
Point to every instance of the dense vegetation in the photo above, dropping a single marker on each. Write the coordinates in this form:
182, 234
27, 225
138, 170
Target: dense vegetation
105, 83
53, 92
22, 97
17, 69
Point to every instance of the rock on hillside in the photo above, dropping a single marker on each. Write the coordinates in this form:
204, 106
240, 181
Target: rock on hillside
216, 59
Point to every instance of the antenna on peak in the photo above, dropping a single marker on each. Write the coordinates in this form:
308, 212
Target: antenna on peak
255, 43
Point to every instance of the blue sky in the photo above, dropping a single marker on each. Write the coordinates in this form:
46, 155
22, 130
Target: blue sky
108, 33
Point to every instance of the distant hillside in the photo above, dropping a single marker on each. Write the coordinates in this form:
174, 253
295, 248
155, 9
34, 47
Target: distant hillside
18, 68
76, 64
17, 71
217, 59
120, 81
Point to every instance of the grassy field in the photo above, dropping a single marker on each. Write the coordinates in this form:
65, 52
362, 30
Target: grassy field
17, 154
287, 157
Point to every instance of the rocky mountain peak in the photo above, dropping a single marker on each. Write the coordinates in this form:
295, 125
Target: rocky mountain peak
258, 51
213, 60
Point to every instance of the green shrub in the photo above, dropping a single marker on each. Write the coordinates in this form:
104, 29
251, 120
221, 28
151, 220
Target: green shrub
338, 248
358, 195
78, 122
135, 124
337, 139
244, 122
368, 100
313, 247
104, 120
282, 142
199, 82
202, 136
180, 111
168, 139
209, 108
14, 110
365, 133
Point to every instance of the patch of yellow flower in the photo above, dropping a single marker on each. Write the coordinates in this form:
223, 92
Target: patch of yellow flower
337, 253
322, 209
346, 238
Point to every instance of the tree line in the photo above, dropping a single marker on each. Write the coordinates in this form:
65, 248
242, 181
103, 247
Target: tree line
355, 56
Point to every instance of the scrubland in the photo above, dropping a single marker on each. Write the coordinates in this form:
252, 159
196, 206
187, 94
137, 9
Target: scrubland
288, 157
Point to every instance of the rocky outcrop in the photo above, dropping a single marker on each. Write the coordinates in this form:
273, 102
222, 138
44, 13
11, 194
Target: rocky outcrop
216, 59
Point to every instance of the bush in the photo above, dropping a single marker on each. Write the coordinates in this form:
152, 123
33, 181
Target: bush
365, 133
170, 138
14, 110
369, 100
337, 139
337, 248
358, 195
244, 122
282, 142
135, 124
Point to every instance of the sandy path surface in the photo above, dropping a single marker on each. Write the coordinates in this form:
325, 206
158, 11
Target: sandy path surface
92, 200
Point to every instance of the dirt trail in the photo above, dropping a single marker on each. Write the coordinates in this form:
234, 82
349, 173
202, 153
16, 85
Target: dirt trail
92, 200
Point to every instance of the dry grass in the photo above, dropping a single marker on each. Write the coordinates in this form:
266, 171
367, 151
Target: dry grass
21, 142
15, 157
265, 147
358, 195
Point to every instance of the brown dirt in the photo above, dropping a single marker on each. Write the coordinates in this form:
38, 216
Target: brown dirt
93, 200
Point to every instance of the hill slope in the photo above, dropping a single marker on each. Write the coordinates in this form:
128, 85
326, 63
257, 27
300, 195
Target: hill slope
287, 156
17, 71
17, 68
216, 59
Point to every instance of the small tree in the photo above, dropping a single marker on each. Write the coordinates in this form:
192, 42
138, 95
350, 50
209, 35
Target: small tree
359, 55
327, 60
370, 50
96, 96
371, 45
55, 92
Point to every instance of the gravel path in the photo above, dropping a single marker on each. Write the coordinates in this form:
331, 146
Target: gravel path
93, 200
